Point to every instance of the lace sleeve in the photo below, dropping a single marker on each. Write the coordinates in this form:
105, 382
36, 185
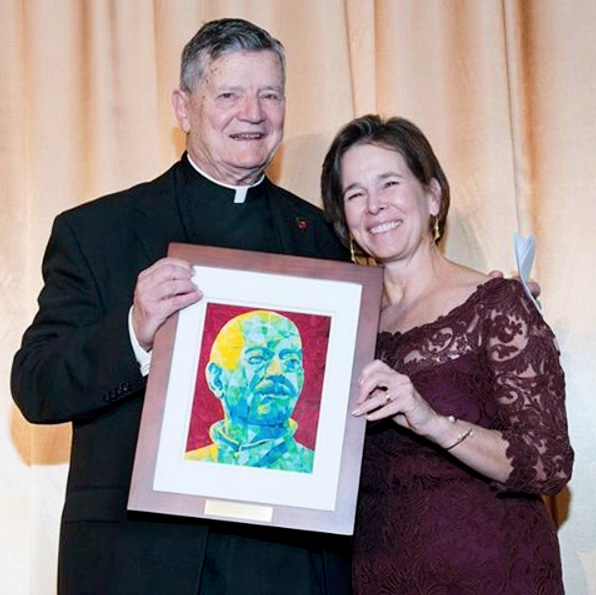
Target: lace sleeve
530, 389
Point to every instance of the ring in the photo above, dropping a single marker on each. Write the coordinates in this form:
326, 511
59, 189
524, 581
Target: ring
388, 399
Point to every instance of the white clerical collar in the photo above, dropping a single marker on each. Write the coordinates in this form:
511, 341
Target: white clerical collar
239, 191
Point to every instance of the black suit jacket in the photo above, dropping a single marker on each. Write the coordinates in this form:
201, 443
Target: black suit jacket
76, 364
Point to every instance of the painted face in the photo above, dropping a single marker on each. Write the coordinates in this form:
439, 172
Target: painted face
260, 371
387, 209
234, 118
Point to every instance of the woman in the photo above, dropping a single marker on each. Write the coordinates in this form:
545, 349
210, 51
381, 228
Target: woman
467, 425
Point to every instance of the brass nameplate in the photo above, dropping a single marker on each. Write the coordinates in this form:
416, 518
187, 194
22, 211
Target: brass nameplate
238, 510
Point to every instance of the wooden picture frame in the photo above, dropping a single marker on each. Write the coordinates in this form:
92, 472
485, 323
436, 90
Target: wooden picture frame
336, 308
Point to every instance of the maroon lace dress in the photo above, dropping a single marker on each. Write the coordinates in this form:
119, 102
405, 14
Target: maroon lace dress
426, 523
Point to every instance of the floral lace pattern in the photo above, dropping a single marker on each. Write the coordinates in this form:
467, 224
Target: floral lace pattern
427, 524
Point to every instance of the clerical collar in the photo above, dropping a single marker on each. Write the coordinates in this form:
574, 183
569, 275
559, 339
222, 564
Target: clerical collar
239, 191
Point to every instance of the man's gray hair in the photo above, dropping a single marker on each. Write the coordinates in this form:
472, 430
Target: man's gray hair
219, 37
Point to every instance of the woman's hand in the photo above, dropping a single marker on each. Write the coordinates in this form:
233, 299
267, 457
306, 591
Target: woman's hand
386, 393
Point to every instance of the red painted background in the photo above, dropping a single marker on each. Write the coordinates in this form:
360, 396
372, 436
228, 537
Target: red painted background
314, 331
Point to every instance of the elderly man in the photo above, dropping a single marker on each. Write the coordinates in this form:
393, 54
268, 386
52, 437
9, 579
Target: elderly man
109, 287
256, 369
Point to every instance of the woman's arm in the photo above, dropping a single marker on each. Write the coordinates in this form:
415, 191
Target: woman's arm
531, 451
386, 393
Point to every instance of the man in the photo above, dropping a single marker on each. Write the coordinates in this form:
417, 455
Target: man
255, 368
108, 288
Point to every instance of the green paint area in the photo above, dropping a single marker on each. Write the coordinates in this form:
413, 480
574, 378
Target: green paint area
256, 369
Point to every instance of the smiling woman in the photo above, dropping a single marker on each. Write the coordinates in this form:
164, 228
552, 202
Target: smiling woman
385, 204
407, 157
467, 394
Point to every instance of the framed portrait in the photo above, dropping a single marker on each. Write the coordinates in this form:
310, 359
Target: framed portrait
247, 412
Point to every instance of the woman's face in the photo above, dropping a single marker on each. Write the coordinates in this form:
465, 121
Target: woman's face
387, 209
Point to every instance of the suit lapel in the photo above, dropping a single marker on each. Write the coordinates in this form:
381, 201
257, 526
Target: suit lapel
156, 218
157, 221
293, 230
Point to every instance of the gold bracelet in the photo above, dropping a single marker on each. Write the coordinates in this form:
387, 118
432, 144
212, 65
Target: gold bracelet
460, 438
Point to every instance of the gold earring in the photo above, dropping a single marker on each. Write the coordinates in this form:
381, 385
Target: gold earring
436, 232
352, 253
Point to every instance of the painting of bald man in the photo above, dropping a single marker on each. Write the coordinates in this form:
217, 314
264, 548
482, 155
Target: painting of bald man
258, 388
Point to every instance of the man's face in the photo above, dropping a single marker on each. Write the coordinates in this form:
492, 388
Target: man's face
264, 384
234, 117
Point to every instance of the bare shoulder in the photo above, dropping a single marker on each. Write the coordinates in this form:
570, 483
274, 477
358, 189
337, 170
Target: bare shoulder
459, 283
463, 280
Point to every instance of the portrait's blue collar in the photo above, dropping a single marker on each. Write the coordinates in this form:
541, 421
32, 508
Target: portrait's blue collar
218, 434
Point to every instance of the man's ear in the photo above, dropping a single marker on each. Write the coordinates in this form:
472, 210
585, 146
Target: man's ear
180, 103
213, 374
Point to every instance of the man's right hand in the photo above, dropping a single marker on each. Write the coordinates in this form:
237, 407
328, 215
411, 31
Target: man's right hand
162, 289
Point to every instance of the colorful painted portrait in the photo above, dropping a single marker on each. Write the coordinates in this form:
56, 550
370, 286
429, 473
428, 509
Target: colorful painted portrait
258, 388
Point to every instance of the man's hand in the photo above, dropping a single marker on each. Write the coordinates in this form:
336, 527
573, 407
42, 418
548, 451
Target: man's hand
532, 285
162, 289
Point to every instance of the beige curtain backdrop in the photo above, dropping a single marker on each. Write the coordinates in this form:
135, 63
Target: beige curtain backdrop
505, 89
